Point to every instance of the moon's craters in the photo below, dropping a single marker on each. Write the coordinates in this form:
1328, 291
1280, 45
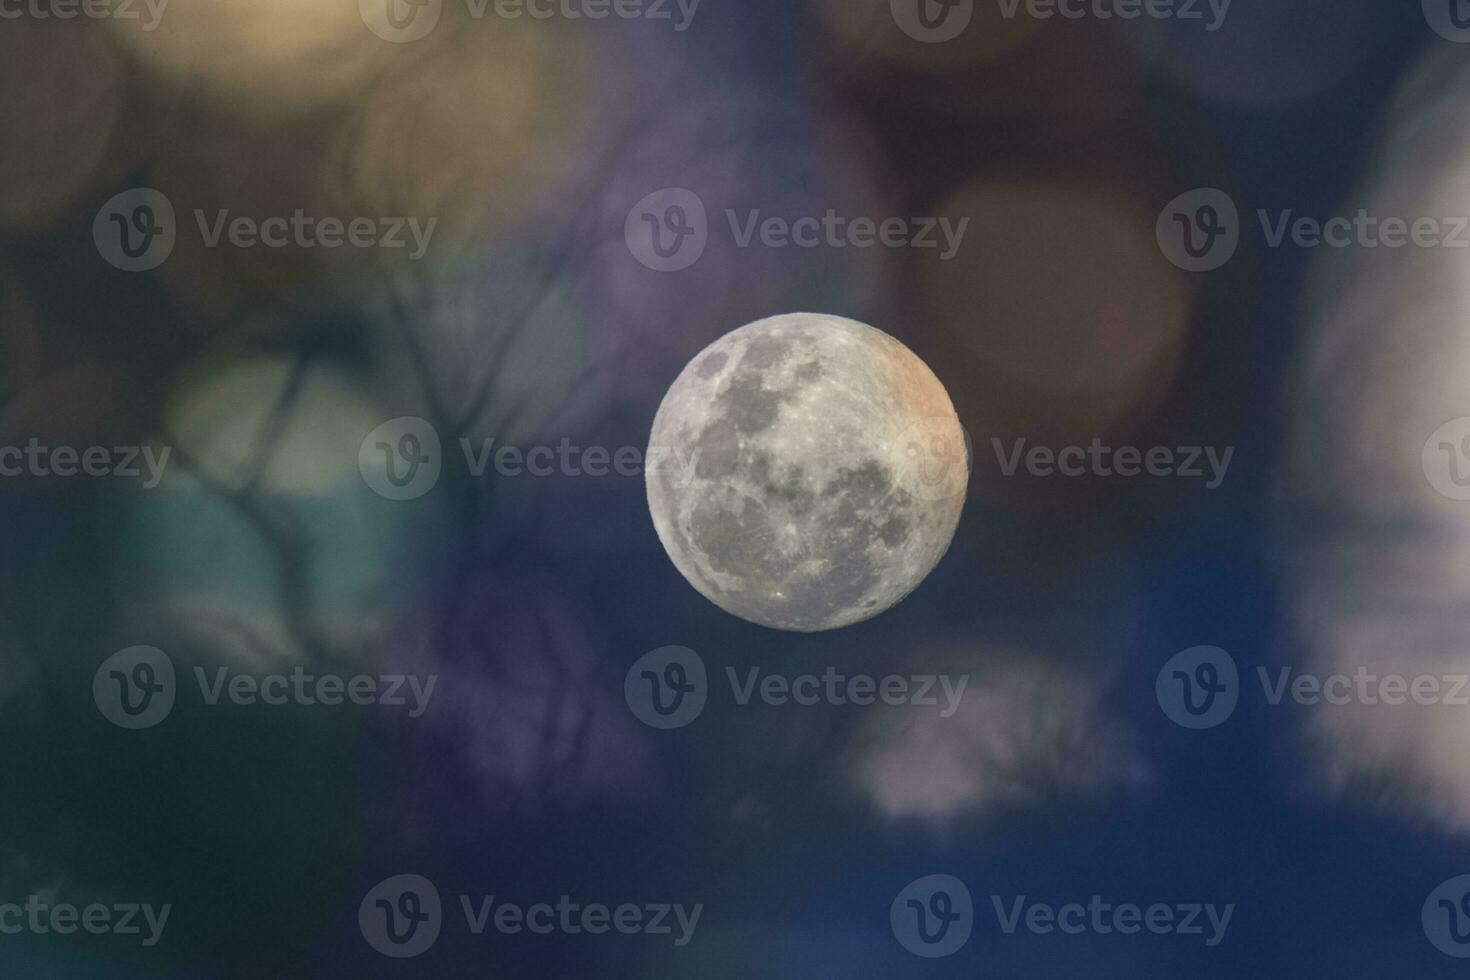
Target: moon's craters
792, 472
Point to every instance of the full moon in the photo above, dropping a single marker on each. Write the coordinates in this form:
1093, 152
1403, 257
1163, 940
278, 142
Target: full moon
806, 472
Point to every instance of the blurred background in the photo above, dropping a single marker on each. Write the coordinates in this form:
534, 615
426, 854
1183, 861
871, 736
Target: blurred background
518, 148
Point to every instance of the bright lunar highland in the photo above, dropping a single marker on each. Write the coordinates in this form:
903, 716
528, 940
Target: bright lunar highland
806, 472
